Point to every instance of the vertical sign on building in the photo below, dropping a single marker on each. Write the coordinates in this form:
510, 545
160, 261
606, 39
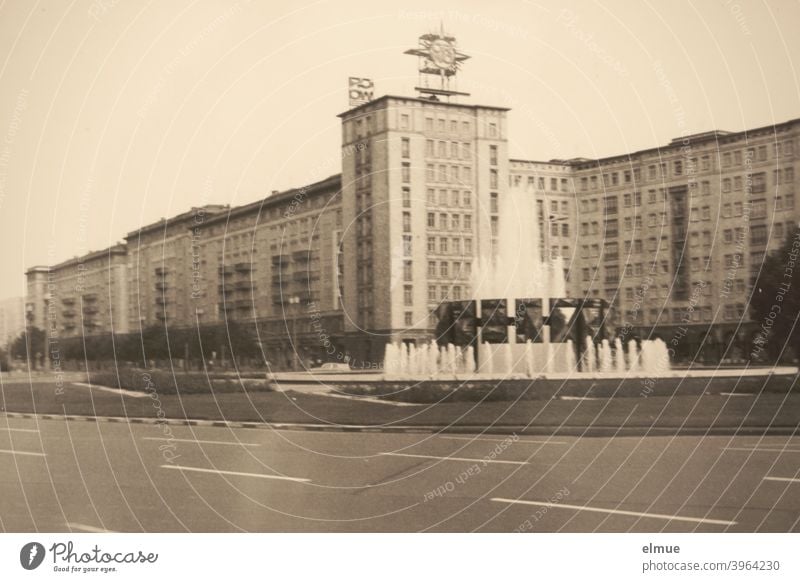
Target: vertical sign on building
360, 90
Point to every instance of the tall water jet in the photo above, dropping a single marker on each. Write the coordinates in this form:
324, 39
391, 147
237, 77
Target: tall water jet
570, 358
589, 358
529, 359
619, 356
633, 356
605, 356
470, 360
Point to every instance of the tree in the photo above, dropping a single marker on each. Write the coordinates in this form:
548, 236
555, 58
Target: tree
32, 338
775, 303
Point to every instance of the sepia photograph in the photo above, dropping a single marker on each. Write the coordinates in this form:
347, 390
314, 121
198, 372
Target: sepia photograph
444, 267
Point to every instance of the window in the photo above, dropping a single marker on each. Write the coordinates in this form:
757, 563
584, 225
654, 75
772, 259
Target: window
406, 198
406, 172
405, 147
443, 221
406, 245
454, 150
493, 203
431, 268
408, 296
493, 179
651, 172
442, 149
455, 222
444, 269
404, 121
408, 318
431, 293
428, 124
610, 203
407, 271
758, 235
431, 220
564, 229
431, 244
584, 184
467, 222
495, 226
406, 222
678, 168
726, 185
443, 245
492, 130
493, 155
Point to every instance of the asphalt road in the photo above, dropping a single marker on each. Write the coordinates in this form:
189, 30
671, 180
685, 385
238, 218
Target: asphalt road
58, 475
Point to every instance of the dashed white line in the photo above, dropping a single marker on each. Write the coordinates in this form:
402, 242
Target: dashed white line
88, 528
10, 452
234, 473
202, 442
480, 439
131, 393
761, 449
460, 459
616, 511
783, 479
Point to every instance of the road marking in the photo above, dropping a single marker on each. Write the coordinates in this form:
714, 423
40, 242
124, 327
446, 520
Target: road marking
131, 393
236, 473
479, 439
8, 452
19, 429
462, 459
200, 442
736, 394
761, 449
88, 528
616, 511
784, 479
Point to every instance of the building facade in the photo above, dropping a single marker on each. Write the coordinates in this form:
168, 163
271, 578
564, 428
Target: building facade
671, 236
421, 180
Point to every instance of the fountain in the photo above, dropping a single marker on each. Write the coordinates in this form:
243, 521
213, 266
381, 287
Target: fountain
518, 321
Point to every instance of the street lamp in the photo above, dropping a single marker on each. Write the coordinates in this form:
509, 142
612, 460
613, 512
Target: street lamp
294, 300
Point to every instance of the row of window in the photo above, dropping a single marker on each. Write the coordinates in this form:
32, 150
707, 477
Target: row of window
444, 293
441, 173
448, 221
445, 270
454, 245
456, 198
681, 167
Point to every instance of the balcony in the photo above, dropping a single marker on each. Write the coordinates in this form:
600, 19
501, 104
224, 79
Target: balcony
301, 276
69, 313
244, 267
225, 270
280, 261
225, 289
89, 309
161, 271
68, 300
89, 298
300, 256
162, 286
244, 285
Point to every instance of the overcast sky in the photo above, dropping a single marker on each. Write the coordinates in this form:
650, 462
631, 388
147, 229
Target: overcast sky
114, 113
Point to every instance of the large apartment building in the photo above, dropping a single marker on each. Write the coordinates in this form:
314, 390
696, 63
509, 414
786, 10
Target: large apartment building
671, 236
421, 180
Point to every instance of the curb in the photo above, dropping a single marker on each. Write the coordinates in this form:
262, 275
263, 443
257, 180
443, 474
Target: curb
590, 431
